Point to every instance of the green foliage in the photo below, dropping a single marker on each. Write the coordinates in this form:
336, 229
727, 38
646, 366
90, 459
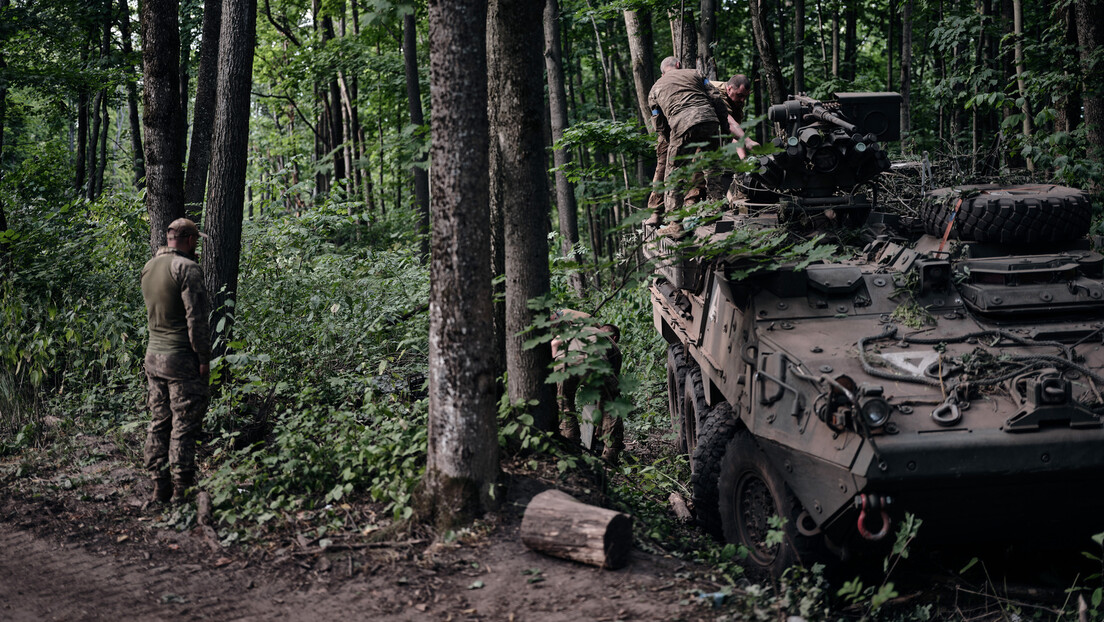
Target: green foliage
872, 598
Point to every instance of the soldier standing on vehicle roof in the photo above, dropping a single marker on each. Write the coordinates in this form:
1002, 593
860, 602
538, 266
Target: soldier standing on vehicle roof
177, 360
734, 95
686, 110
612, 426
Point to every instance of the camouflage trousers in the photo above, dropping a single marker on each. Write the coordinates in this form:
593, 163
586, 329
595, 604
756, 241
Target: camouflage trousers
700, 185
178, 398
611, 430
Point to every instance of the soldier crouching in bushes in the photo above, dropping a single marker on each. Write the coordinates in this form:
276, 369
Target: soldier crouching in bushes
177, 360
587, 358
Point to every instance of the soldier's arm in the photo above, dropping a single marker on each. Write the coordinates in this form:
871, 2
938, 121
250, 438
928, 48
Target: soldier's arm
194, 295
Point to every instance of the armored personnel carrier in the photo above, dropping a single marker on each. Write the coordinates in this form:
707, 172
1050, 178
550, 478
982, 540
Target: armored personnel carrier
952, 369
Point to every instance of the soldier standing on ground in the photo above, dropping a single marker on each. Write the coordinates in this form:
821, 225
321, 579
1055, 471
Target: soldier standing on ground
177, 360
572, 352
686, 111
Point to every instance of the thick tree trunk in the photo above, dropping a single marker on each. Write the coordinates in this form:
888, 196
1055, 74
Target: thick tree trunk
229, 148
764, 43
566, 207
638, 25
1090, 34
462, 456
132, 99
199, 155
557, 524
515, 90
906, 68
414, 106
162, 121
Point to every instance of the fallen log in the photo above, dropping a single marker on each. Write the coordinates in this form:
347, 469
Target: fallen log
557, 524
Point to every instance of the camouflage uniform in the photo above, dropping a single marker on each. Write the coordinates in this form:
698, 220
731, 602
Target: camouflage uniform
686, 110
179, 342
612, 430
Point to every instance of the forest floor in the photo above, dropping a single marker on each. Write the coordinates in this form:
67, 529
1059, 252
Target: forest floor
79, 545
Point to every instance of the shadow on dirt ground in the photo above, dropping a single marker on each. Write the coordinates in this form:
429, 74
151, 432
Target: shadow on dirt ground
79, 545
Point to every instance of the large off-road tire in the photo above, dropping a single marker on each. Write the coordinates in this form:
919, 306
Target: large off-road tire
676, 383
751, 492
717, 429
694, 409
1008, 214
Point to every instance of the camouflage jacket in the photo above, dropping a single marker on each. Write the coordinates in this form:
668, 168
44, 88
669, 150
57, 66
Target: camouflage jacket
176, 305
683, 98
734, 110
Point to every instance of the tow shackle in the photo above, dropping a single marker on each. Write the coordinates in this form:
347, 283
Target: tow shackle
873, 503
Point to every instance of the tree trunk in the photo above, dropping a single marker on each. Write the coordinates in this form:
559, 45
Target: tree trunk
199, 155
93, 145
638, 24
557, 103
162, 121
229, 145
1017, 16
1069, 104
558, 524
1090, 14
462, 456
764, 43
97, 181
515, 90
684, 36
132, 99
835, 42
706, 63
4, 268
799, 46
414, 105
850, 51
906, 69
890, 22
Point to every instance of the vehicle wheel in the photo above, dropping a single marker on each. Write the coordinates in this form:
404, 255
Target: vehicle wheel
676, 380
751, 493
1008, 214
717, 429
694, 409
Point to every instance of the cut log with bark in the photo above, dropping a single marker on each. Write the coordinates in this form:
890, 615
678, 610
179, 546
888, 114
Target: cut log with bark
557, 524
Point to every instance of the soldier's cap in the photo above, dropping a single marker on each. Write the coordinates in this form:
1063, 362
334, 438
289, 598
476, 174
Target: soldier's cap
185, 227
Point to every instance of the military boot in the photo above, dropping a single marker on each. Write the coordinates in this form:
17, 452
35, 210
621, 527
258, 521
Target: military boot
162, 490
182, 488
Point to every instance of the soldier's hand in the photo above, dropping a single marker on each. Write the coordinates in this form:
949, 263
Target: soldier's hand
204, 369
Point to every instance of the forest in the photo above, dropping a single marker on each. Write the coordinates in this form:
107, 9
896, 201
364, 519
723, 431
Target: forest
397, 194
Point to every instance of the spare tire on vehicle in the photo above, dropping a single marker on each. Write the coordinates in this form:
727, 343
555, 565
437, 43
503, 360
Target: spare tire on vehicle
1008, 214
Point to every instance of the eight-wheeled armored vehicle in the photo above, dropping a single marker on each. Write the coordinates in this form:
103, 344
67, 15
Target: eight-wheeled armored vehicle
952, 369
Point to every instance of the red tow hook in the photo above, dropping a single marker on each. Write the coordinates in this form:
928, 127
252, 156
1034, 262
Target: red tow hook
872, 503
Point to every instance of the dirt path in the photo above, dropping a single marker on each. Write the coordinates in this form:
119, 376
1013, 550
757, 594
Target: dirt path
43, 578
